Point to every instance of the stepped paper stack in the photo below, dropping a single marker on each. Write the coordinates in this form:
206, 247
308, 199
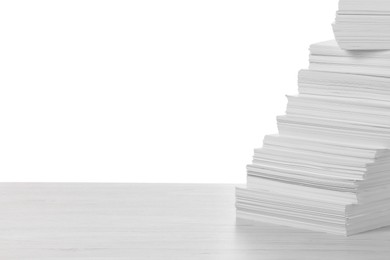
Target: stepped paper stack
363, 24
328, 168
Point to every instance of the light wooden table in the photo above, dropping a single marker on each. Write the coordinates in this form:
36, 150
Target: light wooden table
156, 221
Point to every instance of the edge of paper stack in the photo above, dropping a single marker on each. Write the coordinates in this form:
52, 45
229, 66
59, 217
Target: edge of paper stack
328, 167
363, 24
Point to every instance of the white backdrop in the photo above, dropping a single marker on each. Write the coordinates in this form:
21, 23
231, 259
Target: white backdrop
147, 91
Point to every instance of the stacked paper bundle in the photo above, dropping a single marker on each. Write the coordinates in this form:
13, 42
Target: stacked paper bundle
328, 168
363, 24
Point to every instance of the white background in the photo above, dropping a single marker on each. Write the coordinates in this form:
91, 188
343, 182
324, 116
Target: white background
147, 91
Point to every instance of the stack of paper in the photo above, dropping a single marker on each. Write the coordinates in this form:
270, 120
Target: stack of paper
327, 56
363, 24
328, 168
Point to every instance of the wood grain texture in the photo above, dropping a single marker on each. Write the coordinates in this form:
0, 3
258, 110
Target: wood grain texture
156, 221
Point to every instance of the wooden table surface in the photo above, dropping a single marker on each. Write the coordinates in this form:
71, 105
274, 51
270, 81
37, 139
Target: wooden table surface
156, 221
